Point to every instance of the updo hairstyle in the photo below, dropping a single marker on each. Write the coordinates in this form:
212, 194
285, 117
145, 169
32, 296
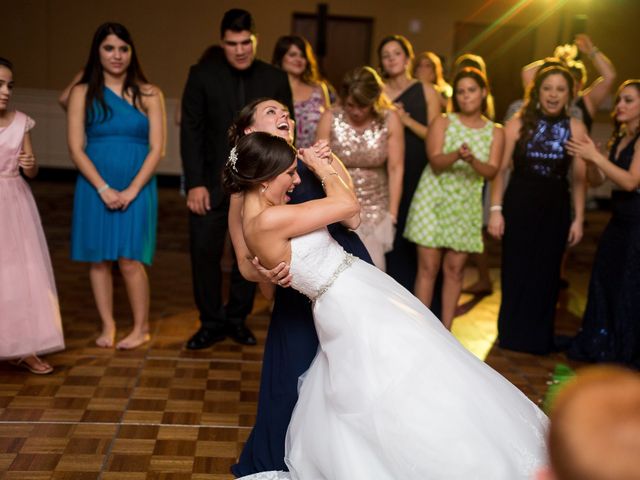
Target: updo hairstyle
259, 156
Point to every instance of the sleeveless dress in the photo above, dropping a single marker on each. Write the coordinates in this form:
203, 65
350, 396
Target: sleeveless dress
537, 218
289, 349
365, 156
611, 326
402, 260
308, 113
391, 393
29, 311
117, 147
446, 211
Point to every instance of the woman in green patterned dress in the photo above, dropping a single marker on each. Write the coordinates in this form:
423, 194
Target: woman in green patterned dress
445, 217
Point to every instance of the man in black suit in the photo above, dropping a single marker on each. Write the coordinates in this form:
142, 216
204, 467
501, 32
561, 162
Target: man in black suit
216, 90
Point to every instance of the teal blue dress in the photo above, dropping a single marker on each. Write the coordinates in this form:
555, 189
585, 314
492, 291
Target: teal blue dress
117, 145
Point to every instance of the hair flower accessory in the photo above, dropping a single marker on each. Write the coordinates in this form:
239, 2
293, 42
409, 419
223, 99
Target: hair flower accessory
233, 158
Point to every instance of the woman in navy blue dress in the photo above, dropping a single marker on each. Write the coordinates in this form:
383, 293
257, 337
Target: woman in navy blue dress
610, 330
291, 341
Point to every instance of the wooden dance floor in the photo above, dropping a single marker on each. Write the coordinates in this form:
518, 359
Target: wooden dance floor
162, 412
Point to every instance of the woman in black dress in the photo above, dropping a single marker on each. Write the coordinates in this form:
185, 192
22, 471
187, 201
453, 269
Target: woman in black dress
611, 326
418, 104
537, 222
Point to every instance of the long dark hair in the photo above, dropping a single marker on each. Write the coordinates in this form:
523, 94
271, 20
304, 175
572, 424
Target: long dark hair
6, 64
93, 74
479, 78
245, 119
530, 112
311, 75
256, 158
617, 126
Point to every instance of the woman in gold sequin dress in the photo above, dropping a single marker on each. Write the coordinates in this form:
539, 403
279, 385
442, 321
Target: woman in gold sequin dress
367, 135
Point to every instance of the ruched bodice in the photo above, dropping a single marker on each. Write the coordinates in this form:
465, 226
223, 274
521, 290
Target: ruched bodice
316, 261
124, 123
543, 154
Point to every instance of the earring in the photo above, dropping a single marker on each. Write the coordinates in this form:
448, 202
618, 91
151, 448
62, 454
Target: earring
264, 188
538, 106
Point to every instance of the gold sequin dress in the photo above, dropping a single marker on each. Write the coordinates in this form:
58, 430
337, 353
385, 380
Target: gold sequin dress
364, 153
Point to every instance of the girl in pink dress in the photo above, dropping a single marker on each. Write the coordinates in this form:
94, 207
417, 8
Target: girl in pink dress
30, 322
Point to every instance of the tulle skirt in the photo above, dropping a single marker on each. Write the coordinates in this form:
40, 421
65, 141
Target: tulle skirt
29, 312
392, 394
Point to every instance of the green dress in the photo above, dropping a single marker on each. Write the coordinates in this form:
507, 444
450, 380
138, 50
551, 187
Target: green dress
446, 210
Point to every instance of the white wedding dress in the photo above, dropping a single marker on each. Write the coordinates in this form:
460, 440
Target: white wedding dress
391, 393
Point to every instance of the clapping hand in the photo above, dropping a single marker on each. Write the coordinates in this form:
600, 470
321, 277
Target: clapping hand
465, 153
583, 148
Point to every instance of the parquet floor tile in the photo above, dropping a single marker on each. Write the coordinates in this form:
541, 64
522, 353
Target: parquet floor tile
163, 412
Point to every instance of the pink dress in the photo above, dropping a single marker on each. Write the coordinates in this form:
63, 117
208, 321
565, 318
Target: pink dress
29, 312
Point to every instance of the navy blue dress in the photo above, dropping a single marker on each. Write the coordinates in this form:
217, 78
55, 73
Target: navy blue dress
537, 217
290, 347
611, 326
402, 261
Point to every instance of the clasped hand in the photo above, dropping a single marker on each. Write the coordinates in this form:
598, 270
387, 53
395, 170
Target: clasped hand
317, 155
115, 200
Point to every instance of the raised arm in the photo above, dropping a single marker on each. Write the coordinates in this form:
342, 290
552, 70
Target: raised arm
63, 99
595, 94
294, 220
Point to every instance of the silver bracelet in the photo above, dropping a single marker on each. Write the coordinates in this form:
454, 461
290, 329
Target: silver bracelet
495, 208
325, 177
103, 188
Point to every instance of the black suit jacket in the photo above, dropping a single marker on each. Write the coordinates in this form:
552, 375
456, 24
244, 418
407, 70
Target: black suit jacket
209, 106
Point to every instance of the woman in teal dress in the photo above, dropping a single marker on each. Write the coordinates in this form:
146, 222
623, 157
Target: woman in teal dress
445, 217
121, 116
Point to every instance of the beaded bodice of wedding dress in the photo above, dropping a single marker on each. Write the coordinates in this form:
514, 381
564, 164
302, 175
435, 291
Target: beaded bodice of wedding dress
316, 261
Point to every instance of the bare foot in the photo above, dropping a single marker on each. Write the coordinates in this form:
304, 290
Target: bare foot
133, 340
107, 337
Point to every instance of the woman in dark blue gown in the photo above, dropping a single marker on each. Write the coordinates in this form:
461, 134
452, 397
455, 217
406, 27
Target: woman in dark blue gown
291, 341
418, 104
537, 223
611, 326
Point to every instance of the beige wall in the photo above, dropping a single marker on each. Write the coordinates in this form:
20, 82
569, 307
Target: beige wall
48, 40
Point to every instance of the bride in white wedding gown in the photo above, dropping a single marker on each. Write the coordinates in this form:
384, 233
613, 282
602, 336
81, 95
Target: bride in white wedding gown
391, 393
